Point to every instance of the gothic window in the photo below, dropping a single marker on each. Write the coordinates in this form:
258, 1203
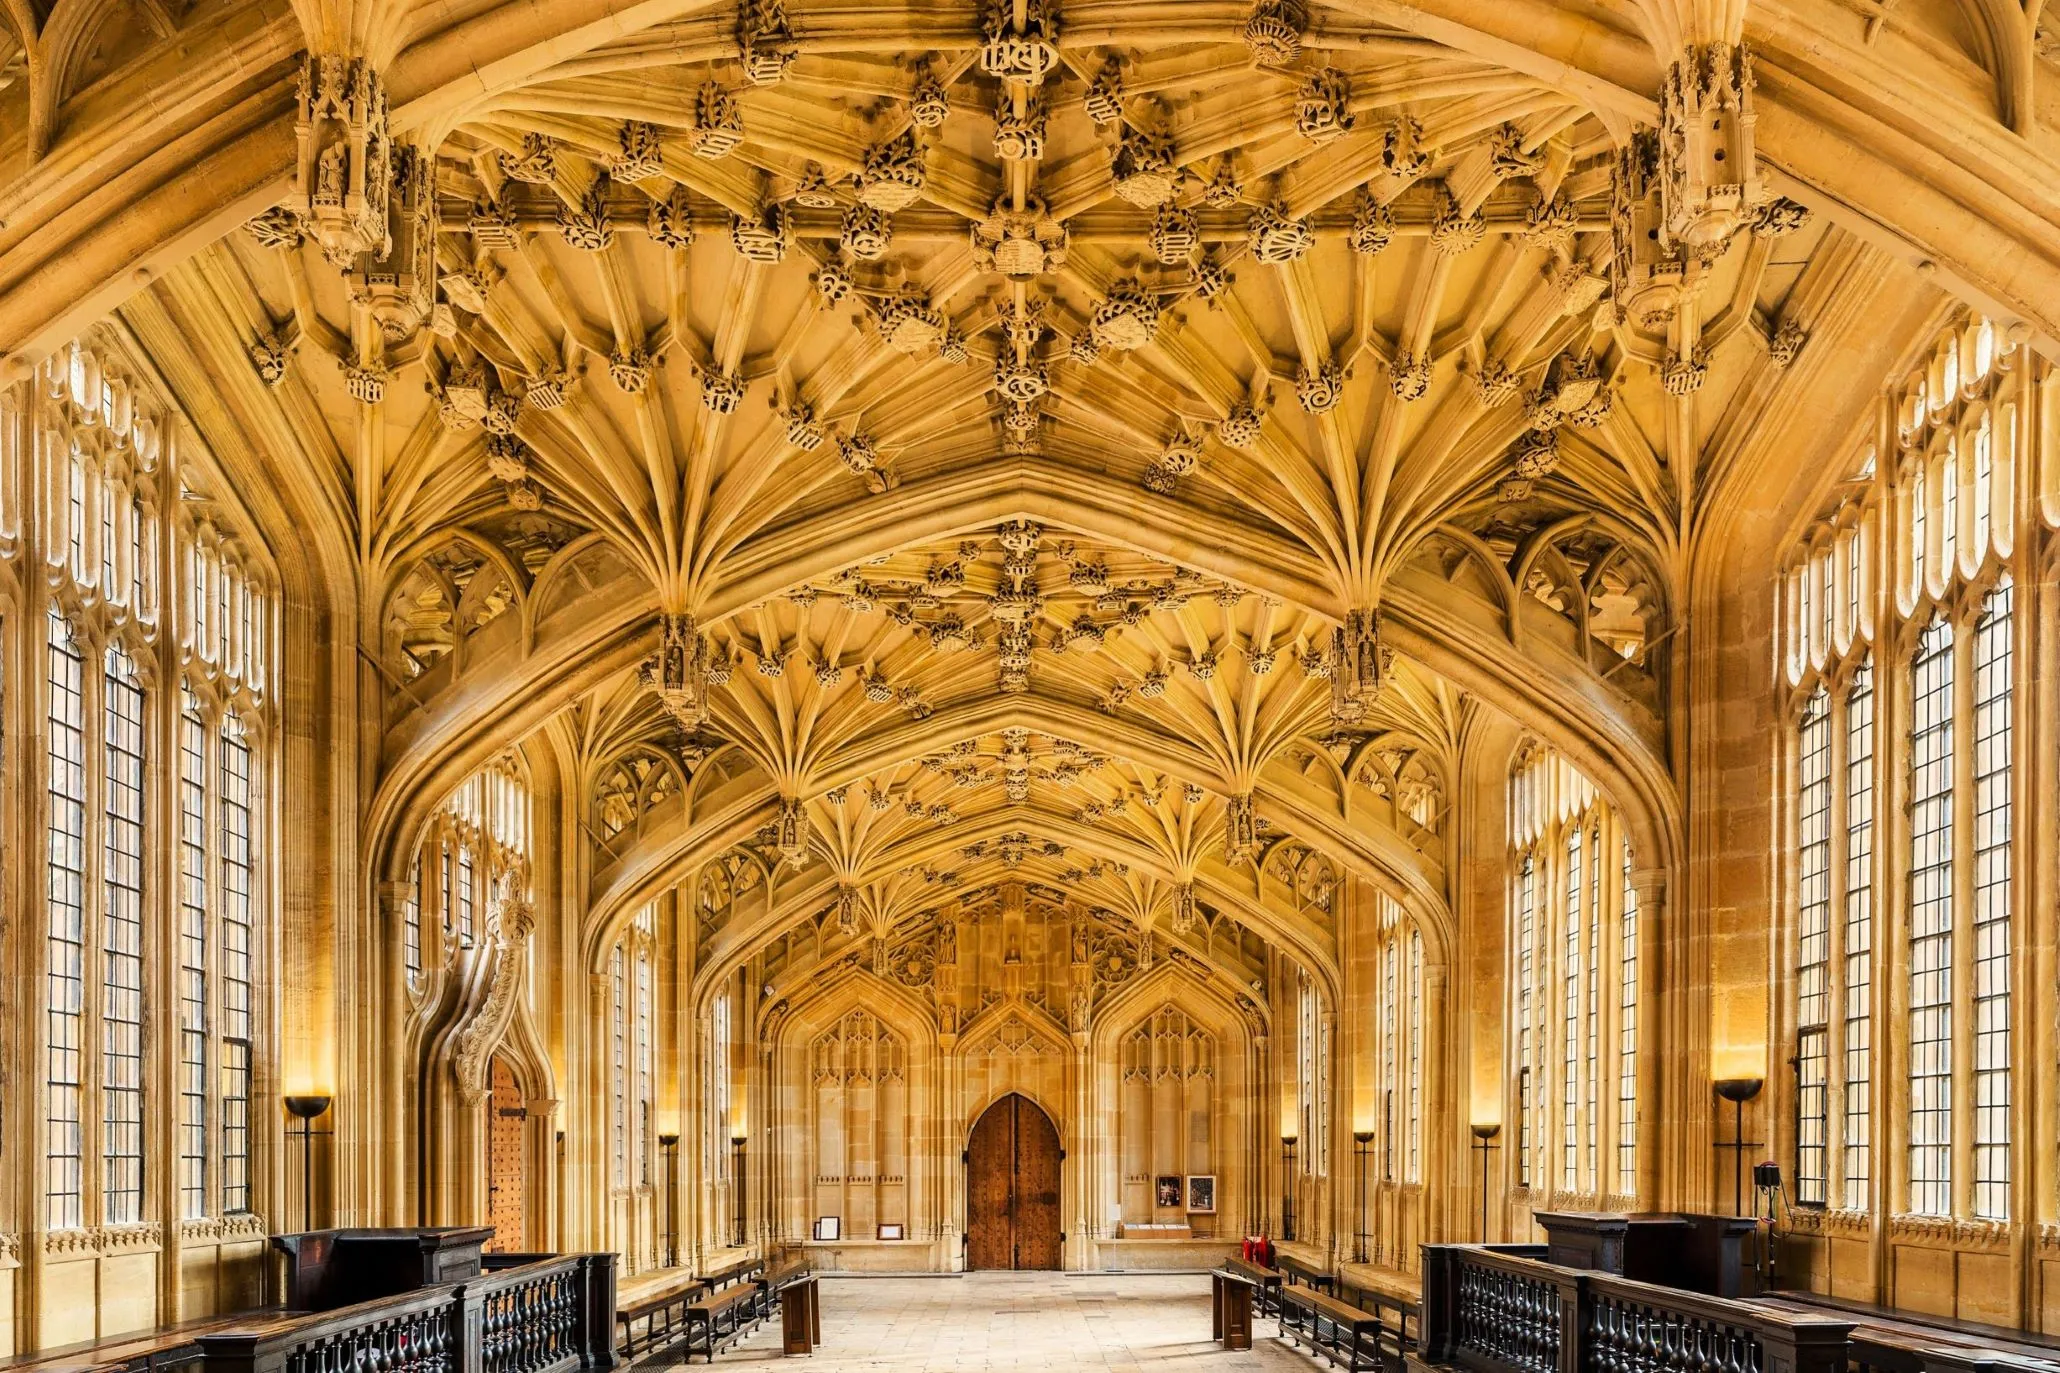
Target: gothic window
644, 1102
1526, 1042
1992, 905
719, 1120
121, 943
65, 996
1812, 1048
1390, 1034
618, 1062
1312, 1076
1931, 921
1859, 937
1627, 1037
411, 922
1412, 1128
193, 958
1570, 1036
238, 927
477, 842
1573, 932
120, 823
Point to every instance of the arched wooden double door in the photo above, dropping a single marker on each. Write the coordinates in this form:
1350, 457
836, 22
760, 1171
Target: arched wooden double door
1012, 1187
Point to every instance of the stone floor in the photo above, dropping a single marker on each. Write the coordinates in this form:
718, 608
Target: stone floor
1126, 1323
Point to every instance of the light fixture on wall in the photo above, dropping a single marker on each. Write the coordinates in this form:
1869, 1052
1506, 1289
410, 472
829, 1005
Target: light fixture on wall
1738, 1091
737, 1173
669, 1154
1362, 1140
304, 1108
1287, 1189
1484, 1132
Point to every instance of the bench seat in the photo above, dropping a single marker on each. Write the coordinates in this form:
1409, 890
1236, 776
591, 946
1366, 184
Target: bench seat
1341, 1333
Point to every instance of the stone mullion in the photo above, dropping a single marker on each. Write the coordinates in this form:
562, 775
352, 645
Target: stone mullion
162, 1043
1962, 973
1893, 705
2030, 953
2039, 836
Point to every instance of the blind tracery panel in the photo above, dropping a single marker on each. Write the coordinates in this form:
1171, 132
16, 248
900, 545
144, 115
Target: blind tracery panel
860, 1108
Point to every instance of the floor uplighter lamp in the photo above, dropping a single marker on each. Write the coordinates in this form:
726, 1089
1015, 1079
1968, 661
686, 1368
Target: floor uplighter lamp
1287, 1188
304, 1109
1484, 1140
1361, 1139
1738, 1091
737, 1157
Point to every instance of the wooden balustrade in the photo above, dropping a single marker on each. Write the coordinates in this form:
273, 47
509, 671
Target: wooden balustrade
549, 1314
1503, 1309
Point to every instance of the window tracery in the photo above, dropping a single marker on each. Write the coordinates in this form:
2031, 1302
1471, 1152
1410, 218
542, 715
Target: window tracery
152, 616
1573, 979
1935, 517
478, 840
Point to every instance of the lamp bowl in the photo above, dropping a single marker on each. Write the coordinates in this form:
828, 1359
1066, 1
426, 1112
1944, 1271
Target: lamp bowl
306, 1107
1487, 1130
1739, 1089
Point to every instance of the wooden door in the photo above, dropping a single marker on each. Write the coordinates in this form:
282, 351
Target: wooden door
1012, 1188
506, 1123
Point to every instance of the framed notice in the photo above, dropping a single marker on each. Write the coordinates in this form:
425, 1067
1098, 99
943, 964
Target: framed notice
1201, 1193
890, 1232
829, 1227
1166, 1193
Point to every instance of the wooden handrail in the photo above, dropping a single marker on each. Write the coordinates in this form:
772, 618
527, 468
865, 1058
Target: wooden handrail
546, 1315
1504, 1309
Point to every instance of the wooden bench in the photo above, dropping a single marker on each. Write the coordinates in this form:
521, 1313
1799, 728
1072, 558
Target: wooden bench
1230, 1308
1265, 1282
716, 1319
735, 1271
1402, 1320
1340, 1332
1296, 1271
662, 1314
